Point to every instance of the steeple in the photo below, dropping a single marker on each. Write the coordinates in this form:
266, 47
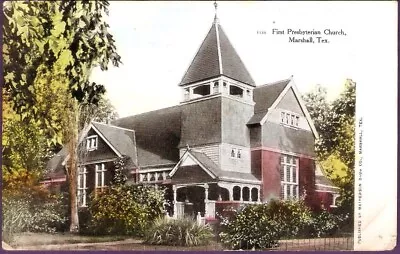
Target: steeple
216, 57
216, 9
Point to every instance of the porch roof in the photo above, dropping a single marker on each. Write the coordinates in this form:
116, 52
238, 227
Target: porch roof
206, 164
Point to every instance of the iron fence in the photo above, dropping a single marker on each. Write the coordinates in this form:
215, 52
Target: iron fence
318, 244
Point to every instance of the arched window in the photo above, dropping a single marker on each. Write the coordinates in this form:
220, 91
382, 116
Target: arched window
246, 193
254, 194
236, 193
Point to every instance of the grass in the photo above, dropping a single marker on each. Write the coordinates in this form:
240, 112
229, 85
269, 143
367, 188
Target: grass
35, 239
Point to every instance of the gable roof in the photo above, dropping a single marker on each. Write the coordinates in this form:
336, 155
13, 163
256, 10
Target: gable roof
264, 96
215, 57
213, 169
270, 100
121, 140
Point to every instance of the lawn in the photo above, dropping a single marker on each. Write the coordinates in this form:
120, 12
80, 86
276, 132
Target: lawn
66, 241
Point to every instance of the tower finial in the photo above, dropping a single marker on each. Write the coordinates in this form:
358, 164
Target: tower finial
216, 9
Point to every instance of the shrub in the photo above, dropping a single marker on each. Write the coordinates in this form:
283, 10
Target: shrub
325, 223
261, 226
180, 232
126, 210
25, 214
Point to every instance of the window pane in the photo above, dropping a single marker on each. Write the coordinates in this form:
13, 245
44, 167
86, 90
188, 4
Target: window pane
287, 191
282, 173
294, 174
287, 174
282, 117
282, 191
98, 176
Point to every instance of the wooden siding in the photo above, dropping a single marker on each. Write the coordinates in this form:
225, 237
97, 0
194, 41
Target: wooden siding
190, 174
103, 151
288, 139
242, 164
235, 115
201, 123
290, 103
212, 152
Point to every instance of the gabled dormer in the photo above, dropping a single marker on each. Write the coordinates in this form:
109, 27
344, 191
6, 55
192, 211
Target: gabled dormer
217, 70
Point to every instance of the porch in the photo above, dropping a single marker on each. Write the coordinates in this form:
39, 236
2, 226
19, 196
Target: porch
203, 199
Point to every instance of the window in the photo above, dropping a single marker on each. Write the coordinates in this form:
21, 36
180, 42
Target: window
100, 176
290, 119
289, 177
82, 187
236, 91
239, 154
233, 153
91, 142
215, 87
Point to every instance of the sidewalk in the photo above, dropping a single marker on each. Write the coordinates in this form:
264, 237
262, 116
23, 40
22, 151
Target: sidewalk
69, 246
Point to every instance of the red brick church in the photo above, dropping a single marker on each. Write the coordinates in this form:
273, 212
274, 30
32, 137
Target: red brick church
229, 142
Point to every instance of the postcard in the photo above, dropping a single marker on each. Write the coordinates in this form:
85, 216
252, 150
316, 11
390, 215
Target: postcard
192, 126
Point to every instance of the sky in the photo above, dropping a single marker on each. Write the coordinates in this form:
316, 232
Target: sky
158, 40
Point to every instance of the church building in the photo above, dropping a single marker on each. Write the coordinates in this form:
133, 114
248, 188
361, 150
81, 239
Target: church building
229, 142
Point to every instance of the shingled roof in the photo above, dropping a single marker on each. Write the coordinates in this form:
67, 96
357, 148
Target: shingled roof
220, 174
215, 57
123, 140
157, 135
264, 96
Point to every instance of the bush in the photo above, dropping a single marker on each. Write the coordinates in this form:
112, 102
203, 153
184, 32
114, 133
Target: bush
124, 210
25, 214
178, 232
325, 223
261, 226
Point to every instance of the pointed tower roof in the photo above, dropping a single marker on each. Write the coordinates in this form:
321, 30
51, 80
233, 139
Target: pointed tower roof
215, 57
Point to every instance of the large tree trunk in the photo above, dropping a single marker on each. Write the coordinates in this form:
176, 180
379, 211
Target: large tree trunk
72, 165
72, 188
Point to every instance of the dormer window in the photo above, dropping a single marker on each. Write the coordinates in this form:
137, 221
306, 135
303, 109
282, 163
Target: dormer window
291, 119
91, 142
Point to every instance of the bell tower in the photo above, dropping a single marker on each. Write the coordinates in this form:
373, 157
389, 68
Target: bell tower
217, 69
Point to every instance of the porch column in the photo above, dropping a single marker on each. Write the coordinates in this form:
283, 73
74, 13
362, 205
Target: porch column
175, 208
231, 194
241, 193
259, 195
205, 200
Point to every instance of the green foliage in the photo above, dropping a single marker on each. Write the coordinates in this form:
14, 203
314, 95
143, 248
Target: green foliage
29, 211
335, 123
178, 232
120, 172
326, 223
71, 35
261, 226
65, 39
102, 112
125, 210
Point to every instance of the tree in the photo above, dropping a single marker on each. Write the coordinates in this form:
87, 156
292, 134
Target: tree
335, 123
103, 112
56, 44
